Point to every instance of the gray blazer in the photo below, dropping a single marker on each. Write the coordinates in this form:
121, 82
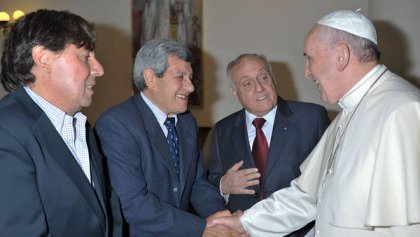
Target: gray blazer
154, 199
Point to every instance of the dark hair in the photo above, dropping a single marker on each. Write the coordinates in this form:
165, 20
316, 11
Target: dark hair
154, 55
50, 28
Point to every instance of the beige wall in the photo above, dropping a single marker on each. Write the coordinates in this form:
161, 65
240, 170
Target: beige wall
230, 27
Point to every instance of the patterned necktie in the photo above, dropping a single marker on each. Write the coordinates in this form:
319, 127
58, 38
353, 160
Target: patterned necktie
173, 141
260, 150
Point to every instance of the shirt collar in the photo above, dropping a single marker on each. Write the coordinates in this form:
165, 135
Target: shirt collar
56, 115
269, 117
355, 94
160, 116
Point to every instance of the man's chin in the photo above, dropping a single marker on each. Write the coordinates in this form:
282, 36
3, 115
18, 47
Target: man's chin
182, 109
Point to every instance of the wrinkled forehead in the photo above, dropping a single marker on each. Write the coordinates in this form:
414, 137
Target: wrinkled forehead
249, 67
314, 39
250, 63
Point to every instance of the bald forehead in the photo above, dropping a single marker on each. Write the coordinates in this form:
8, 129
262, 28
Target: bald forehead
249, 58
313, 32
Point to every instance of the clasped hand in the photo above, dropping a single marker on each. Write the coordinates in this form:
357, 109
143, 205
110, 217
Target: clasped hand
224, 224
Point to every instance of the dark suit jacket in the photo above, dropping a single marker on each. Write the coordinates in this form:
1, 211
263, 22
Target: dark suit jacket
154, 199
297, 128
44, 192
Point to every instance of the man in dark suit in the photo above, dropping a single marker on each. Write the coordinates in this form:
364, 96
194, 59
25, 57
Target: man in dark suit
291, 129
157, 178
51, 173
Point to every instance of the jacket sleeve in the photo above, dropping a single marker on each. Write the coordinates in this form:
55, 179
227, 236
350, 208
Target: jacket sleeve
205, 192
285, 211
211, 154
142, 209
20, 203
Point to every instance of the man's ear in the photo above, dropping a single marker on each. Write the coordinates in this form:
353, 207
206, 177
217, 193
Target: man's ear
234, 92
343, 56
42, 57
149, 78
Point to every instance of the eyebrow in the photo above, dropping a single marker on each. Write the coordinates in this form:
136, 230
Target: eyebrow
183, 73
245, 77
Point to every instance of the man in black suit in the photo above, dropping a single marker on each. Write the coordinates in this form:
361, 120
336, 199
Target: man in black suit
51, 174
291, 129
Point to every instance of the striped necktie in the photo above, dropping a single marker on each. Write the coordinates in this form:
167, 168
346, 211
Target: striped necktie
173, 141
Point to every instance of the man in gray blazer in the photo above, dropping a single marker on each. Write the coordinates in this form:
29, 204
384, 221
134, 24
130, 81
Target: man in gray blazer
291, 130
155, 185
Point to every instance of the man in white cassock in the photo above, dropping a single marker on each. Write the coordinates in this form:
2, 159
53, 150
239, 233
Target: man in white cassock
363, 177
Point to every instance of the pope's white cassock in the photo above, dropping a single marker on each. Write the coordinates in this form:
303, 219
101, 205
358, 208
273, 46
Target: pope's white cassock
363, 178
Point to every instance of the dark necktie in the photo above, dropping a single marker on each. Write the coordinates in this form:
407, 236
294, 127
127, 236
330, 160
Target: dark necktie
260, 150
173, 141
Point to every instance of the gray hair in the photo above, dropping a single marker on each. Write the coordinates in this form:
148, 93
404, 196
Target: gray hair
154, 55
238, 60
364, 49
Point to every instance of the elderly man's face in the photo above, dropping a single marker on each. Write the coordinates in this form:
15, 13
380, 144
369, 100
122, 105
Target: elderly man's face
253, 86
321, 68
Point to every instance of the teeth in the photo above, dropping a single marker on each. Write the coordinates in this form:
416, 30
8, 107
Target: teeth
261, 98
184, 97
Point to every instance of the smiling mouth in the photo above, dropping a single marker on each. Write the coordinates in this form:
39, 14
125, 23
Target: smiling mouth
183, 97
90, 87
261, 98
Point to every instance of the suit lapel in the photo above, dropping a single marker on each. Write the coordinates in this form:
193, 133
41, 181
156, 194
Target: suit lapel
54, 149
281, 130
185, 149
52, 145
242, 145
156, 135
97, 174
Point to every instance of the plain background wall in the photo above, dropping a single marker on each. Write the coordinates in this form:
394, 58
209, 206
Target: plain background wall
231, 27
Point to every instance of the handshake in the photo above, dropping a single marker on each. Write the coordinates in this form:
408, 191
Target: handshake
225, 224
235, 181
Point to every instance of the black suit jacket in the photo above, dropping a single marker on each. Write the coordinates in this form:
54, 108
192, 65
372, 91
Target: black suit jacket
154, 199
297, 128
44, 192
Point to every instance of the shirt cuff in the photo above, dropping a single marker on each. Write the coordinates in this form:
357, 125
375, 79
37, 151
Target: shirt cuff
225, 196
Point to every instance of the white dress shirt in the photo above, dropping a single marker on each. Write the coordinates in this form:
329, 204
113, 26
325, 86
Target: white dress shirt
160, 116
251, 131
71, 128
267, 127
